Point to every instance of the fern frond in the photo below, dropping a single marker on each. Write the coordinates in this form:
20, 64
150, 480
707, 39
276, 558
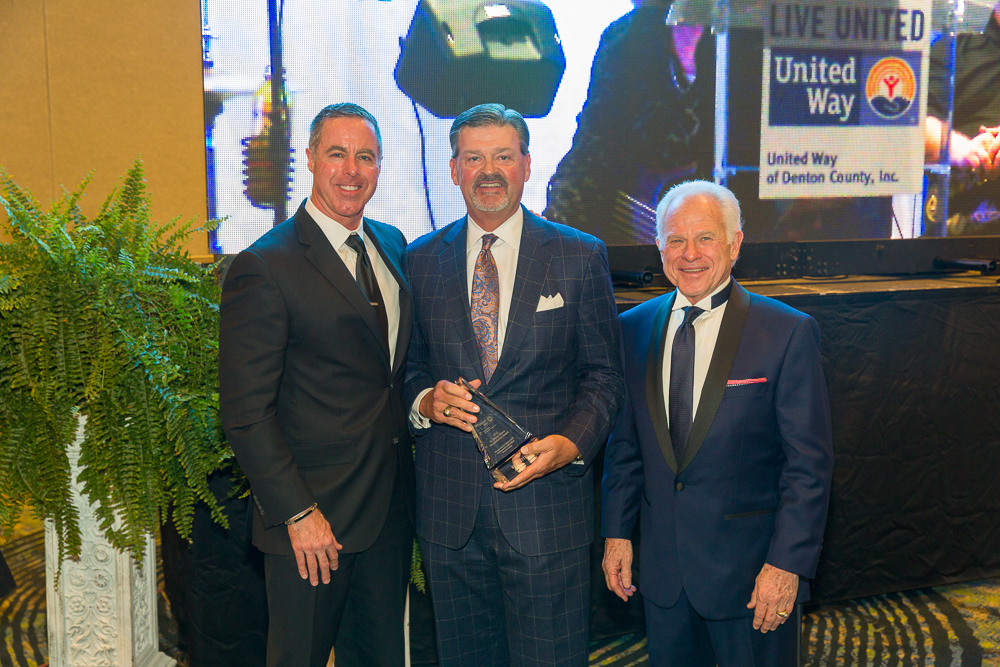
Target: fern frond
417, 576
106, 318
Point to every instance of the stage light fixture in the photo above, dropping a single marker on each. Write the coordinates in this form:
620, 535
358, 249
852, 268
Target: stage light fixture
460, 53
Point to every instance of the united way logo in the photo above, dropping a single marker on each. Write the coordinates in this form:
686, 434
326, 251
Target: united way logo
843, 88
891, 87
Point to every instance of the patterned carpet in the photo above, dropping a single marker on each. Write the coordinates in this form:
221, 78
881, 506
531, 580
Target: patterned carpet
948, 626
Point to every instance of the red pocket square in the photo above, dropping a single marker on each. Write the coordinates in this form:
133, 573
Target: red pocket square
740, 383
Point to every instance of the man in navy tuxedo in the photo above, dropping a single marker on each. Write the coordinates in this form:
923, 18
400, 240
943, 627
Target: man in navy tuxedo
725, 444
524, 310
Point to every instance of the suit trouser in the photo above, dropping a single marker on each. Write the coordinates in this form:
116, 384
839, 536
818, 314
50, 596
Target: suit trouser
494, 607
7, 584
679, 637
361, 609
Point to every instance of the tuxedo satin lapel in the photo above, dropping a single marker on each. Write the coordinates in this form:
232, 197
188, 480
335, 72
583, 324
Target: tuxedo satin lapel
405, 304
326, 260
654, 380
456, 291
533, 260
728, 343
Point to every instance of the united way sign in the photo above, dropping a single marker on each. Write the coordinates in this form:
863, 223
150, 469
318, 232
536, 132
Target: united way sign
845, 94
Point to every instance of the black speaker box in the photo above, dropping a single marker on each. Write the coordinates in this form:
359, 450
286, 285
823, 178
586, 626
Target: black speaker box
460, 53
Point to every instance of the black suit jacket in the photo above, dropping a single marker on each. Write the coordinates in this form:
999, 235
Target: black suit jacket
309, 402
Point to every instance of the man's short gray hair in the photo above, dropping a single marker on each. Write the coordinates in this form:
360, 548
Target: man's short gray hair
341, 110
489, 115
725, 201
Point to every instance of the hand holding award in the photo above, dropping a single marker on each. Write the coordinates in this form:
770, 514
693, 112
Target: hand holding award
498, 437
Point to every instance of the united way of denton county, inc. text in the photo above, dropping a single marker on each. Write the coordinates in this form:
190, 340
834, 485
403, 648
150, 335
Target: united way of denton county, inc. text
828, 172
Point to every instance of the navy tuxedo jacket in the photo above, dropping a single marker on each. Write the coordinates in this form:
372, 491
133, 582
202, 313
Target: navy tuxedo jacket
753, 485
559, 372
309, 402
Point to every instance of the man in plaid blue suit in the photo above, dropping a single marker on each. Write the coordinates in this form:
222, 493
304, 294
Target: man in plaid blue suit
524, 310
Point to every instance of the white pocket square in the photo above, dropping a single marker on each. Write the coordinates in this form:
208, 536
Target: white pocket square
550, 303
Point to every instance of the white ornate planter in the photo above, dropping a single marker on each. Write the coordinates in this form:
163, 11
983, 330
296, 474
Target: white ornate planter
103, 612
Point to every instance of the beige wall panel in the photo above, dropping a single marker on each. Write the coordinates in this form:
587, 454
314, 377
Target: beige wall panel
124, 80
24, 104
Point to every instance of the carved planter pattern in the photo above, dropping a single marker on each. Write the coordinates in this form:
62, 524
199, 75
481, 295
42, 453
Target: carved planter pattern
103, 611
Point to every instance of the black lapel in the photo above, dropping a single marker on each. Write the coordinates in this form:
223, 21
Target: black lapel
456, 291
726, 347
533, 260
654, 379
405, 304
326, 260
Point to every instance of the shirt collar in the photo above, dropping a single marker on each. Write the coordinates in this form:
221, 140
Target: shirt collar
709, 303
333, 230
509, 232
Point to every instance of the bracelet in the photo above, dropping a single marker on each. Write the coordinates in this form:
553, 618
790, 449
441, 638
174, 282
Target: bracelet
301, 515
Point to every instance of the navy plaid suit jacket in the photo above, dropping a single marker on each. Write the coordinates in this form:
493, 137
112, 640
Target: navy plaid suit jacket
559, 372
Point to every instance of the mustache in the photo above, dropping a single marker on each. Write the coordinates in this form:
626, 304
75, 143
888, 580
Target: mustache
482, 179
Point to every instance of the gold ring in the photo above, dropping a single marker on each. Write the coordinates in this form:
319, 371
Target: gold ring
447, 411
783, 614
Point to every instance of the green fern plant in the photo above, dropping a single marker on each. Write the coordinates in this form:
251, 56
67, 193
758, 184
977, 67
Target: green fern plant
107, 318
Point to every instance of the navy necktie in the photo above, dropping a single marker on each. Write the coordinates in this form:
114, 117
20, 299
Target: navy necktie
364, 273
682, 382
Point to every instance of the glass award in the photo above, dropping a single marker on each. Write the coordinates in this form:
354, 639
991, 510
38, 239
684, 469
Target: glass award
498, 437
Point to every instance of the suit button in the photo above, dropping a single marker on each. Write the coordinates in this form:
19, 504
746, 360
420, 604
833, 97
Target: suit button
395, 441
679, 486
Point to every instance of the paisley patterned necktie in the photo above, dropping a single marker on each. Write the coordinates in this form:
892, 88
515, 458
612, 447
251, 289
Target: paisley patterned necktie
486, 306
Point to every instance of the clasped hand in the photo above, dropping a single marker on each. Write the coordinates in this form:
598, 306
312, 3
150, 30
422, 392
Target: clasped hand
451, 404
980, 153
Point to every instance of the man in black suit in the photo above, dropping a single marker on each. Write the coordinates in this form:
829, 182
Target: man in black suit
315, 328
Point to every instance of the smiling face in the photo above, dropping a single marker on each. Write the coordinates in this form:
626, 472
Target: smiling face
491, 172
697, 257
345, 164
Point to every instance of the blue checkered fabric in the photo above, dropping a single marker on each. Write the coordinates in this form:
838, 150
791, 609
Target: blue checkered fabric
494, 607
559, 372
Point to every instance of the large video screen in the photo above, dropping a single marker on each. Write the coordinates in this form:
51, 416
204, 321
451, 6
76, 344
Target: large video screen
620, 106
346, 51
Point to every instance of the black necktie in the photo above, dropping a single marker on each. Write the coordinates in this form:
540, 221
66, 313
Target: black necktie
682, 374
365, 275
682, 382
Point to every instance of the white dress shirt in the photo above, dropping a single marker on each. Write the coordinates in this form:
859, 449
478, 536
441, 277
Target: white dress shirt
706, 333
337, 234
505, 252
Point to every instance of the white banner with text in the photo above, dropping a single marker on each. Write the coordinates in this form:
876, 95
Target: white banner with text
844, 98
